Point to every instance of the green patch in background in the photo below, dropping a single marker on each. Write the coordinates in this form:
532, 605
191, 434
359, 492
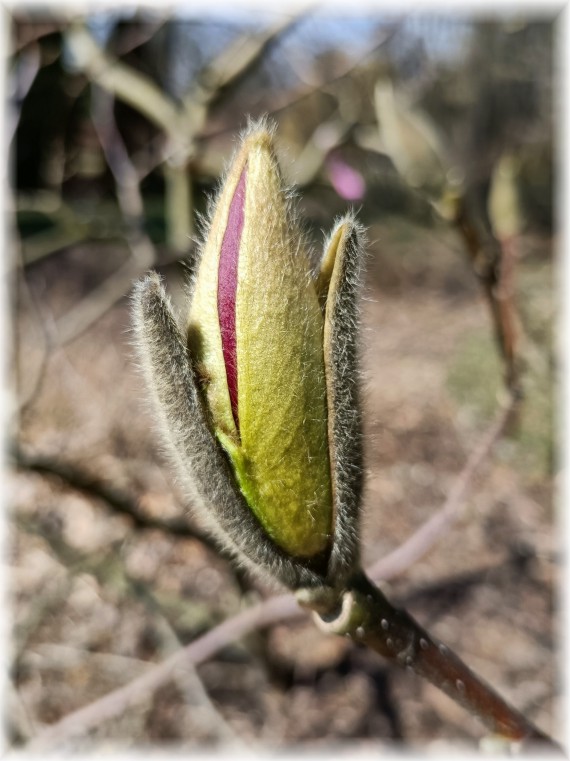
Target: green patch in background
475, 381
474, 376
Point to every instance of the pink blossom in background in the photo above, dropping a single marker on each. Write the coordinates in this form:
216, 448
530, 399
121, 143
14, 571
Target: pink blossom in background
347, 182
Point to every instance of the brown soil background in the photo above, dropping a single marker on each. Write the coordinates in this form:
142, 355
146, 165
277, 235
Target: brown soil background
95, 599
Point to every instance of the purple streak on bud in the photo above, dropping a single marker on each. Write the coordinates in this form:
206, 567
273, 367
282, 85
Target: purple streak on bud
227, 289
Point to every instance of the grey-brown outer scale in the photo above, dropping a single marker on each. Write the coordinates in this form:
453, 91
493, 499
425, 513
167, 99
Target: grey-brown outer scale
342, 321
202, 464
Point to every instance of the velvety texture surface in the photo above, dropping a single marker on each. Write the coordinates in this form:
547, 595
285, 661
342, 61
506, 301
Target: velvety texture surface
254, 279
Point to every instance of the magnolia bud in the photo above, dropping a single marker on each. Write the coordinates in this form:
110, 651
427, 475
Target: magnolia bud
258, 399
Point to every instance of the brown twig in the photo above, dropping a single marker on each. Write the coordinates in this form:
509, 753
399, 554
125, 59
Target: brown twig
507, 312
30, 30
493, 263
367, 617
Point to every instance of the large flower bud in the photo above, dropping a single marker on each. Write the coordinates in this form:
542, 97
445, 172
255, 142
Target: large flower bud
260, 403
256, 333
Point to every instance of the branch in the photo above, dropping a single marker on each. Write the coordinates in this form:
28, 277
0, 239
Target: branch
124, 82
67, 227
124, 173
83, 315
238, 59
493, 262
98, 564
289, 101
367, 617
98, 488
433, 530
114, 703
19, 280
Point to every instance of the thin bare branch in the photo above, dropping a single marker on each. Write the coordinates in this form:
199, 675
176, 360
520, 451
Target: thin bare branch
124, 82
30, 30
194, 693
98, 565
102, 298
97, 303
113, 704
493, 262
93, 486
137, 36
434, 529
367, 617
238, 59
125, 175
23, 287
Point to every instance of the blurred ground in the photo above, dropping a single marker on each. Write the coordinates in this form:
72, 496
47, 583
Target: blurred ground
95, 600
